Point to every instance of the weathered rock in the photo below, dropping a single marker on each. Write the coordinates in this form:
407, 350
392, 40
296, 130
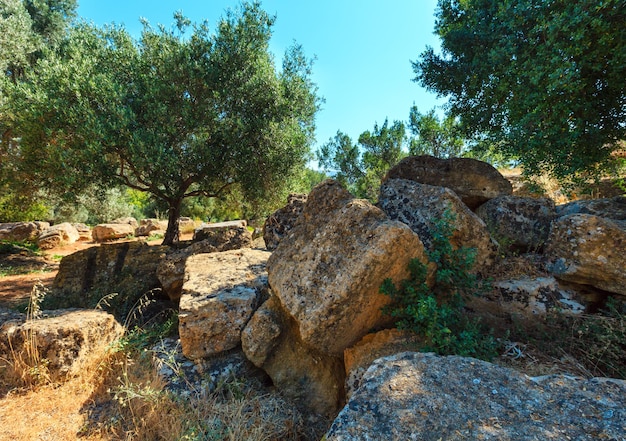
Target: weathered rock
518, 223
475, 182
126, 220
328, 272
610, 208
214, 231
84, 232
589, 250
22, 231
279, 223
360, 357
220, 293
427, 397
56, 235
171, 270
65, 339
87, 276
105, 232
314, 380
420, 205
150, 226
532, 297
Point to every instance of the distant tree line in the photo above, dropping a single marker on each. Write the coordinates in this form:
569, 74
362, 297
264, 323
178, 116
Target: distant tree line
538, 83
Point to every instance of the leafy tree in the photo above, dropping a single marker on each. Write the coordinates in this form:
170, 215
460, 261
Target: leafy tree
432, 136
361, 167
542, 80
176, 115
28, 30
342, 158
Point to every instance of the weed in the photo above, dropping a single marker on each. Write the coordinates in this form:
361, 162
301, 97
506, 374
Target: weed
25, 366
436, 313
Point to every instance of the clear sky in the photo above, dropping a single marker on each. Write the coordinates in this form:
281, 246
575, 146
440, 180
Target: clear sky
363, 49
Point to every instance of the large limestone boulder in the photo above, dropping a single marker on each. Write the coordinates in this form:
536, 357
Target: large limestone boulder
150, 226
327, 273
22, 231
519, 223
220, 293
88, 277
217, 230
279, 223
171, 270
610, 208
358, 358
106, 232
427, 397
63, 340
325, 278
64, 233
420, 205
475, 182
126, 220
588, 250
312, 378
532, 297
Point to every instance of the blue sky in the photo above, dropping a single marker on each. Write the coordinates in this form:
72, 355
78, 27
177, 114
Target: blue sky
363, 49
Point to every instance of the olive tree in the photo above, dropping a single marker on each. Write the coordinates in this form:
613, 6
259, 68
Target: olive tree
178, 113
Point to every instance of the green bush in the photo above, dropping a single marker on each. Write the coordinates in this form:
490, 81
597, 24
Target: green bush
436, 312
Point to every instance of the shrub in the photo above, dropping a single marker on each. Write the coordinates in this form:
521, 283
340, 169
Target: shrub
436, 312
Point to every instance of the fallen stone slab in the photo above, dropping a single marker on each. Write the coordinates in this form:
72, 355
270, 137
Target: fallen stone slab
62, 340
413, 396
220, 293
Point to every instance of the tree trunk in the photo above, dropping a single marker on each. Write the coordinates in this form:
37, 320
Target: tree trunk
172, 234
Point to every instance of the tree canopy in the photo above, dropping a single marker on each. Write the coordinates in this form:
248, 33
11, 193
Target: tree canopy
542, 80
432, 136
360, 167
175, 113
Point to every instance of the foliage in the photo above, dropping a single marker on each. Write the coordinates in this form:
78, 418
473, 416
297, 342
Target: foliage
442, 139
361, 167
541, 80
175, 114
436, 312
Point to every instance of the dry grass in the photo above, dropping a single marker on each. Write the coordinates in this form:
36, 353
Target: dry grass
118, 395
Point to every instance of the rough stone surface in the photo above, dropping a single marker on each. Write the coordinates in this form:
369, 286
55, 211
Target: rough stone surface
22, 231
360, 357
327, 273
419, 205
85, 277
279, 223
314, 380
56, 235
150, 226
213, 231
589, 250
126, 220
475, 182
535, 297
105, 232
84, 232
610, 208
413, 396
66, 339
220, 293
171, 270
518, 223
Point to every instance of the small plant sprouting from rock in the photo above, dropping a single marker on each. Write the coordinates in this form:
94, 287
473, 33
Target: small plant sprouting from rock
436, 312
